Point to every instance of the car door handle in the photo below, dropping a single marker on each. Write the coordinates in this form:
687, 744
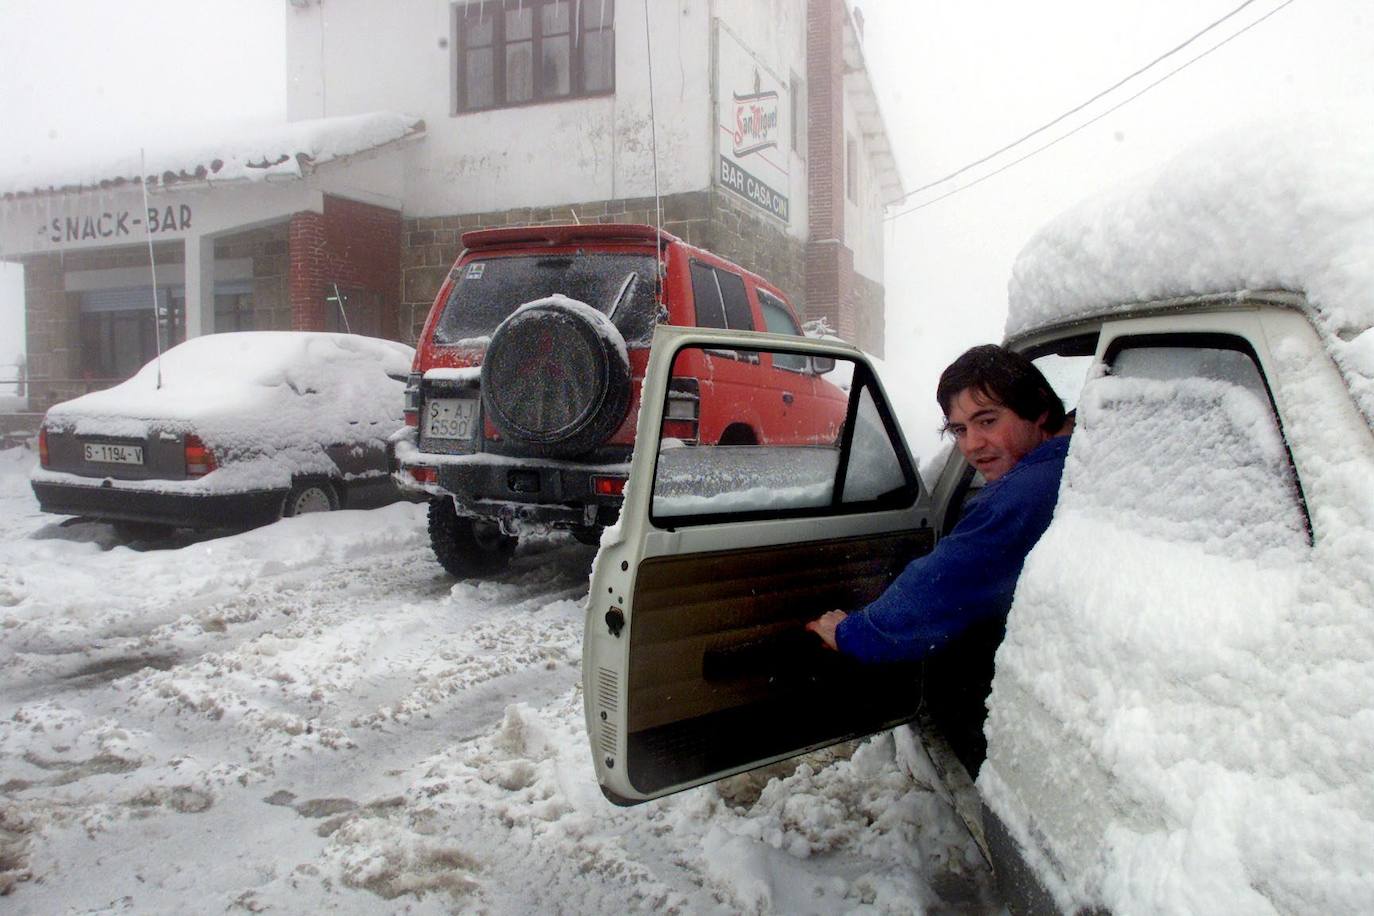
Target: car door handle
788, 397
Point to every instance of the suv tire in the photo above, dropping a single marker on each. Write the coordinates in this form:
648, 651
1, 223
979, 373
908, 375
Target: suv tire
464, 546
556, 378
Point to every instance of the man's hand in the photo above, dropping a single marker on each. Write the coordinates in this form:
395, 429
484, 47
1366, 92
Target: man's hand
824, 627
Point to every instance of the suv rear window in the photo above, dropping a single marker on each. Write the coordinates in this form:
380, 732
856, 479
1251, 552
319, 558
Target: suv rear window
488, 291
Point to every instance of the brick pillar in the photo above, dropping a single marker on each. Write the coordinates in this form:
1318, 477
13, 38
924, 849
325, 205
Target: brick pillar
829, 262
306, 251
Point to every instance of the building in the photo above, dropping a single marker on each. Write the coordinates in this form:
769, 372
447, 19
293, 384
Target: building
761, 140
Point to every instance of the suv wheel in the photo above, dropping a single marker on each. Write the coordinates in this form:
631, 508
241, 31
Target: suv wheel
464, 546
556, 378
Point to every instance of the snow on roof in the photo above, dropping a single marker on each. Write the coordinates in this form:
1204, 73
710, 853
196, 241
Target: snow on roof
215, 154
1278, 205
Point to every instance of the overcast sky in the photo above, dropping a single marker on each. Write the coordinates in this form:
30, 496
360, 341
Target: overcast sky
957, 79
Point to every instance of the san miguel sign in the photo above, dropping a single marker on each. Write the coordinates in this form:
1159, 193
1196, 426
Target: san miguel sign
752, 159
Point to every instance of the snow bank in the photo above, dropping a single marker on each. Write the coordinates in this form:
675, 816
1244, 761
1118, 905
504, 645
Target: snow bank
1286, 205
265, 402
240, 153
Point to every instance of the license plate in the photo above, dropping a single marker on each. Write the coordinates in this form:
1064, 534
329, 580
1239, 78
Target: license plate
450, 418
105, 453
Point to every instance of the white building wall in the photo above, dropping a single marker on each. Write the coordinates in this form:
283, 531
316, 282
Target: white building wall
345, 57
863, 220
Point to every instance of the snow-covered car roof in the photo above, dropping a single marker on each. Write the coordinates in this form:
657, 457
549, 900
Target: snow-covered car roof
255, 389
1276, 206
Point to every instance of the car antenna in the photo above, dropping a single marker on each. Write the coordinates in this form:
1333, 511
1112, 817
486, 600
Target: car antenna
152, 263
338, 298
653, 153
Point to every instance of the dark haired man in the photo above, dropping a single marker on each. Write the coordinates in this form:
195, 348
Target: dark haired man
950, 606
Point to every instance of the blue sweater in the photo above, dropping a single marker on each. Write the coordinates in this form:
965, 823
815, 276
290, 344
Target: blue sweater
970, 575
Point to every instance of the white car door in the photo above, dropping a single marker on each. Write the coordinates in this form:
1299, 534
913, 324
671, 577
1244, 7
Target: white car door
695, 658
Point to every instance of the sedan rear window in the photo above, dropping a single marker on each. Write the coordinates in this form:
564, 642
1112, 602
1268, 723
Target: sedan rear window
487, 291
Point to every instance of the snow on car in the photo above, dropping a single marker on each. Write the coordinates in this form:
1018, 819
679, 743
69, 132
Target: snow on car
230, 430
1180, 717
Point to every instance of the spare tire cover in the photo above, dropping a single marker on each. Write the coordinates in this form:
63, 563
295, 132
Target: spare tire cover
556, 377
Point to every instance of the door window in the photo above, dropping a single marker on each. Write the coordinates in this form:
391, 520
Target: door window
1182, 442
778, 320
791, 461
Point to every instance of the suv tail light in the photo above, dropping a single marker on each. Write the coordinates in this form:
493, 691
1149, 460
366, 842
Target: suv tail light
199, 459
607, 485
412, 399
43, 446
683, 410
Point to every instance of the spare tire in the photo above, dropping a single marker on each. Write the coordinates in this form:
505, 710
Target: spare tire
556, 378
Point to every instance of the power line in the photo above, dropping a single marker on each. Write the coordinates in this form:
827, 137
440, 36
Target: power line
1072, 111
1088, 123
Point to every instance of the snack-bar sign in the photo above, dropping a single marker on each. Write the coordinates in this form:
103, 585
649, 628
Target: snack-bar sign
117, 224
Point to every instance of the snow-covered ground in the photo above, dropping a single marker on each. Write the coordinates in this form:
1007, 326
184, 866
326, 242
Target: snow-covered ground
312, 717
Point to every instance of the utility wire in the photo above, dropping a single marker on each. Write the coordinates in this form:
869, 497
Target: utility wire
1088, 123
1072, 111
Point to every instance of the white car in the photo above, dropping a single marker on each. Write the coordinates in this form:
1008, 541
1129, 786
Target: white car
230, 431
1182, 713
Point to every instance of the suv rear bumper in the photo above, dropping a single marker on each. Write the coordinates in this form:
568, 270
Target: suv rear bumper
555, 494
183, 510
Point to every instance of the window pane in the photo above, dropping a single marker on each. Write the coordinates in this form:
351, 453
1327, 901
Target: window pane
519, 72
737, 312
706, 295
555, 77
597, 14
554, 17
519, 24
478, 30
776, 318
1181, 443
598, 61
874, 469
479, 88
737, 447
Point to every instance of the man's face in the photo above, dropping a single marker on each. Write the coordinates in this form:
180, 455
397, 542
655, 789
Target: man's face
991, 436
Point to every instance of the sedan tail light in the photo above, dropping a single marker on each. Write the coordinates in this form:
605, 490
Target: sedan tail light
199, 459
43, 446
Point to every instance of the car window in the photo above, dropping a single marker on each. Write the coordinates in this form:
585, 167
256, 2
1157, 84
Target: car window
487, 291
778, 320
793, 461
738, 315
710, 309
1181, 441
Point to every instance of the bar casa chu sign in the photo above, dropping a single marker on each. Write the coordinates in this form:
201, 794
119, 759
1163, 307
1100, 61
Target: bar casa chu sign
752, 159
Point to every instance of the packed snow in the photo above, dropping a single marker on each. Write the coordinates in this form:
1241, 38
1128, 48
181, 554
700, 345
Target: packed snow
1287, 205
267, 403
312, 717
255, 153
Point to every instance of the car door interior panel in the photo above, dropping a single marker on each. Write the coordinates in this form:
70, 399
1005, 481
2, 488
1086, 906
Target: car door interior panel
722, 671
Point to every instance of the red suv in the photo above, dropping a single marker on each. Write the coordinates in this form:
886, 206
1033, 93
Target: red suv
522, 401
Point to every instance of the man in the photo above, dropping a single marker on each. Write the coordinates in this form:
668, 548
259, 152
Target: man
949, 607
